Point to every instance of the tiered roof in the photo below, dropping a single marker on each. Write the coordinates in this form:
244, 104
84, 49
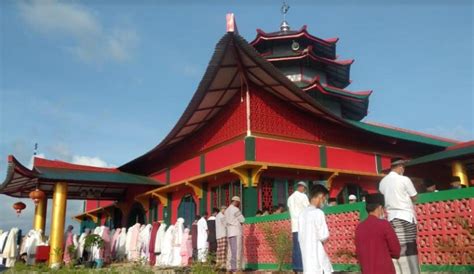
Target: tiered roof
311, 63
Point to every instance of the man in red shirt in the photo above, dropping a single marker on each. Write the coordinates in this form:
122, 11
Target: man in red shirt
375, 239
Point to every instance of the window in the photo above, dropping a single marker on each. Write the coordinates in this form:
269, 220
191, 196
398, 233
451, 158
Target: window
222, 194
275, 191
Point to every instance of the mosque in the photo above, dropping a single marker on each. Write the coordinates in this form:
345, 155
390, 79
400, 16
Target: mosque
266, 114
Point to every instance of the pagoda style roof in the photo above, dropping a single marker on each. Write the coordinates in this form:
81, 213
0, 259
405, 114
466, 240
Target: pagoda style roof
338, 71
83, 181
327, 47
234, 58
354, 104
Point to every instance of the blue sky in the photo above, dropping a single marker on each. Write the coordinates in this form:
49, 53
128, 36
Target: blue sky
101, 83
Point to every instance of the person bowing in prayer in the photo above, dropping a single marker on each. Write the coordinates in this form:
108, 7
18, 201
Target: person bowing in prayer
313, 232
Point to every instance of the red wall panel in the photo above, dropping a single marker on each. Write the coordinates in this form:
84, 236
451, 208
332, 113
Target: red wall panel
386, 162
284, 152
160, 177
93, 204
350, 160
186, 169
225, 156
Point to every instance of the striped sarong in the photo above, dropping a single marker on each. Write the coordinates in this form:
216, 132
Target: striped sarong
221, 254
406, 234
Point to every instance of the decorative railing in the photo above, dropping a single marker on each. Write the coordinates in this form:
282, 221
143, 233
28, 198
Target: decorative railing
445, 234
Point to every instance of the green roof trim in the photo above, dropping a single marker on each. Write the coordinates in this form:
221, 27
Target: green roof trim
354, 95
95, 176
394, 133
443, 155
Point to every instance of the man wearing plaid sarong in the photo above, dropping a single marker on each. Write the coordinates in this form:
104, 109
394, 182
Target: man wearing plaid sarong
400, 195
221, 237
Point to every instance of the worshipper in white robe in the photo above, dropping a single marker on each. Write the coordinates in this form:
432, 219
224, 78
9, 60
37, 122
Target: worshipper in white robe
3, 239
132, 241
144, 242
177, 241
10, 252
167, 247
159, 243
34, 238
202, 244
96, 251
81, 242
120, 252
234, 220
313, 232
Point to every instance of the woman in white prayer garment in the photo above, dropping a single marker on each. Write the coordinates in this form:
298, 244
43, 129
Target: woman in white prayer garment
167, 247
10, 252
121, 242
144, 239
159, 243
34, 239
81, 242
177, 241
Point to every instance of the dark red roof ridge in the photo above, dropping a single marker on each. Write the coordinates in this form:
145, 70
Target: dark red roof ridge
461, 145
303, 31
57, 164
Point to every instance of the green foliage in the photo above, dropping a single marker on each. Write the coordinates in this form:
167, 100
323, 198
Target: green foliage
203, 268
92, 240
278, 239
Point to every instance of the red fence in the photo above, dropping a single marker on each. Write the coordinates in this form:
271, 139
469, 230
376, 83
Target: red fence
445, 233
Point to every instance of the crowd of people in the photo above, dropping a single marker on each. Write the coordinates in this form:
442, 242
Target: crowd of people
384, 244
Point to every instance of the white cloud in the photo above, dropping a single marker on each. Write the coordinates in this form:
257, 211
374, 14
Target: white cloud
89, 161
91, 42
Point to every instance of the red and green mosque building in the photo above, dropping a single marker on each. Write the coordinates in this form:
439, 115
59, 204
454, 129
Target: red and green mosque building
266, 114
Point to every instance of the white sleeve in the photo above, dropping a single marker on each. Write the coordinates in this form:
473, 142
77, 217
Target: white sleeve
410, 188
323, 227
305, 201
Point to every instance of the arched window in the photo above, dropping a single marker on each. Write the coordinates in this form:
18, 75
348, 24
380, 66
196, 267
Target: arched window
136, 215
187, 210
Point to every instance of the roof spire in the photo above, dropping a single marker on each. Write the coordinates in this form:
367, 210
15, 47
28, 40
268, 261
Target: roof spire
284, 10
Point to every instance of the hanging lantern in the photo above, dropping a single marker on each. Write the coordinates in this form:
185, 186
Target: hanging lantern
37, 195
19, 206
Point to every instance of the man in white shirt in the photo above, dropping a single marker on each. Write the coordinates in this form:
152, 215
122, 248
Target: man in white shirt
297, 202
202, 244
400, 194
313, 232
221, 237
234, 220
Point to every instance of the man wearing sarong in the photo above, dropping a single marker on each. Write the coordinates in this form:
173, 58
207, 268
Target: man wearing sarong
234, 220
221, 238
297, 202
400, 194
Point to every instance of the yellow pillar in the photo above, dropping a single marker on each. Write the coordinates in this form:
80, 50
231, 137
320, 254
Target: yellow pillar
39, 220
460, 171
56, 236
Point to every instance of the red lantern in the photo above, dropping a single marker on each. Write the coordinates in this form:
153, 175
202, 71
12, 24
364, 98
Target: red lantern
37, 195
19, 206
